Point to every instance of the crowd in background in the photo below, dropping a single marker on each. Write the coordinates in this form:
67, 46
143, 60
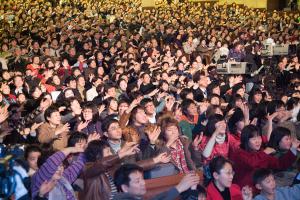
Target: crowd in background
106, 94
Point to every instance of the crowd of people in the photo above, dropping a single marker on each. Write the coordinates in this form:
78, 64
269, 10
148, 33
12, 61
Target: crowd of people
106, 94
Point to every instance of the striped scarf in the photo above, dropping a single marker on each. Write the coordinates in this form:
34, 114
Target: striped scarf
112, 186
178, 156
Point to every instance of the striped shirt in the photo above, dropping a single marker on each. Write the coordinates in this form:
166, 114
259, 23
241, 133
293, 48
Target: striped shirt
49, 168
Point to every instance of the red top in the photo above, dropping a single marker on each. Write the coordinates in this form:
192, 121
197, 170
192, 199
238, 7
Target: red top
214, 194
245, 163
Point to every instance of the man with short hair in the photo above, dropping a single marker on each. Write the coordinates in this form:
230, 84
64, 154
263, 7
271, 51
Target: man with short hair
129, 180
265, 182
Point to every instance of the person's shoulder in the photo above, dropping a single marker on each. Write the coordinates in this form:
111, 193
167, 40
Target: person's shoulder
124, 196
259, 197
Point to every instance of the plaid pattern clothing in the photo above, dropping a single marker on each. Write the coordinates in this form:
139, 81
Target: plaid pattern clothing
178, 156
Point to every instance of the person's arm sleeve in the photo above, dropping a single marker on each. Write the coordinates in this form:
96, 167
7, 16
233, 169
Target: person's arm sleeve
294, 191
168, 195
160, 106
72, 172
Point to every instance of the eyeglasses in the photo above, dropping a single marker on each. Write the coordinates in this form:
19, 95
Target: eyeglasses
229, 173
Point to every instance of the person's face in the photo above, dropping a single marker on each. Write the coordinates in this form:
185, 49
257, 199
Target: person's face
165, 87
56, 80
36, 60
257, 98
285, 143
81, 82
37, 93
146, 79
107, 152
150, 108
73, 84
190, 96
32, 159
113, 105
215, 101
241, 92
123, 85
192, 109
216, 90
268, 185
87, 114
111, 92
171, 132
122, 108
54, 118
6, 76
75, 105
141, 117
114, 131
225, 177
240, 125
69, 93
255, 143
136, 184
21, 98
204, 81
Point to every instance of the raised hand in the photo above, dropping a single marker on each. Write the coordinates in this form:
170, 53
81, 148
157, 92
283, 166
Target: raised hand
269, 150
46, 187
93, 136
197, 141
162, 158
187, 182
64, 128
82, 125
35, 126
130, 148
153, 135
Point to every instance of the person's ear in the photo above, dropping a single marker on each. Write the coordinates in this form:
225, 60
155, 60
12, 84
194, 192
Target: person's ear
258, 186
215, 175
124, 188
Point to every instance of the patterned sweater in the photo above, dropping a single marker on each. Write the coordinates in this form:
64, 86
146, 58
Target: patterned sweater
49, 168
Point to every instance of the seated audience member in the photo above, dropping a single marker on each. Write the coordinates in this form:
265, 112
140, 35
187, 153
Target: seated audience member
31, 155
251, 156
51, 169
99, 169
53, 131
130, 183
265, 182
221, 187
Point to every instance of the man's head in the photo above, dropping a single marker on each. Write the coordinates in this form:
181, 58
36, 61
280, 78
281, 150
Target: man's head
112, 129
129, 178
149, 106
263, 180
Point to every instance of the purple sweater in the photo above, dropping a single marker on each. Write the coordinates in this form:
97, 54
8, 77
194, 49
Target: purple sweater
49, 168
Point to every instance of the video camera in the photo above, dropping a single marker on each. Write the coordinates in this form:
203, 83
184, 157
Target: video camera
8, 156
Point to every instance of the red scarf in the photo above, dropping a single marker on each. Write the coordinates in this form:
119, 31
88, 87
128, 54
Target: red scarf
178, 156
195, 119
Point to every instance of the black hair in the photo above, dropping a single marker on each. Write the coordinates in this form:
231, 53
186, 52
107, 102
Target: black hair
75, 138
276, 136
274, 105
211, 124
248, 132
122, 174
184, 92
31, 148
217, 164
236, 117
94, 150
107, 122
145, 101
260, 174
185, 104
49, 111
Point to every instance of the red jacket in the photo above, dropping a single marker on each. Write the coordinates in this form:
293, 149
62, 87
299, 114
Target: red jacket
245, 163
214, 194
